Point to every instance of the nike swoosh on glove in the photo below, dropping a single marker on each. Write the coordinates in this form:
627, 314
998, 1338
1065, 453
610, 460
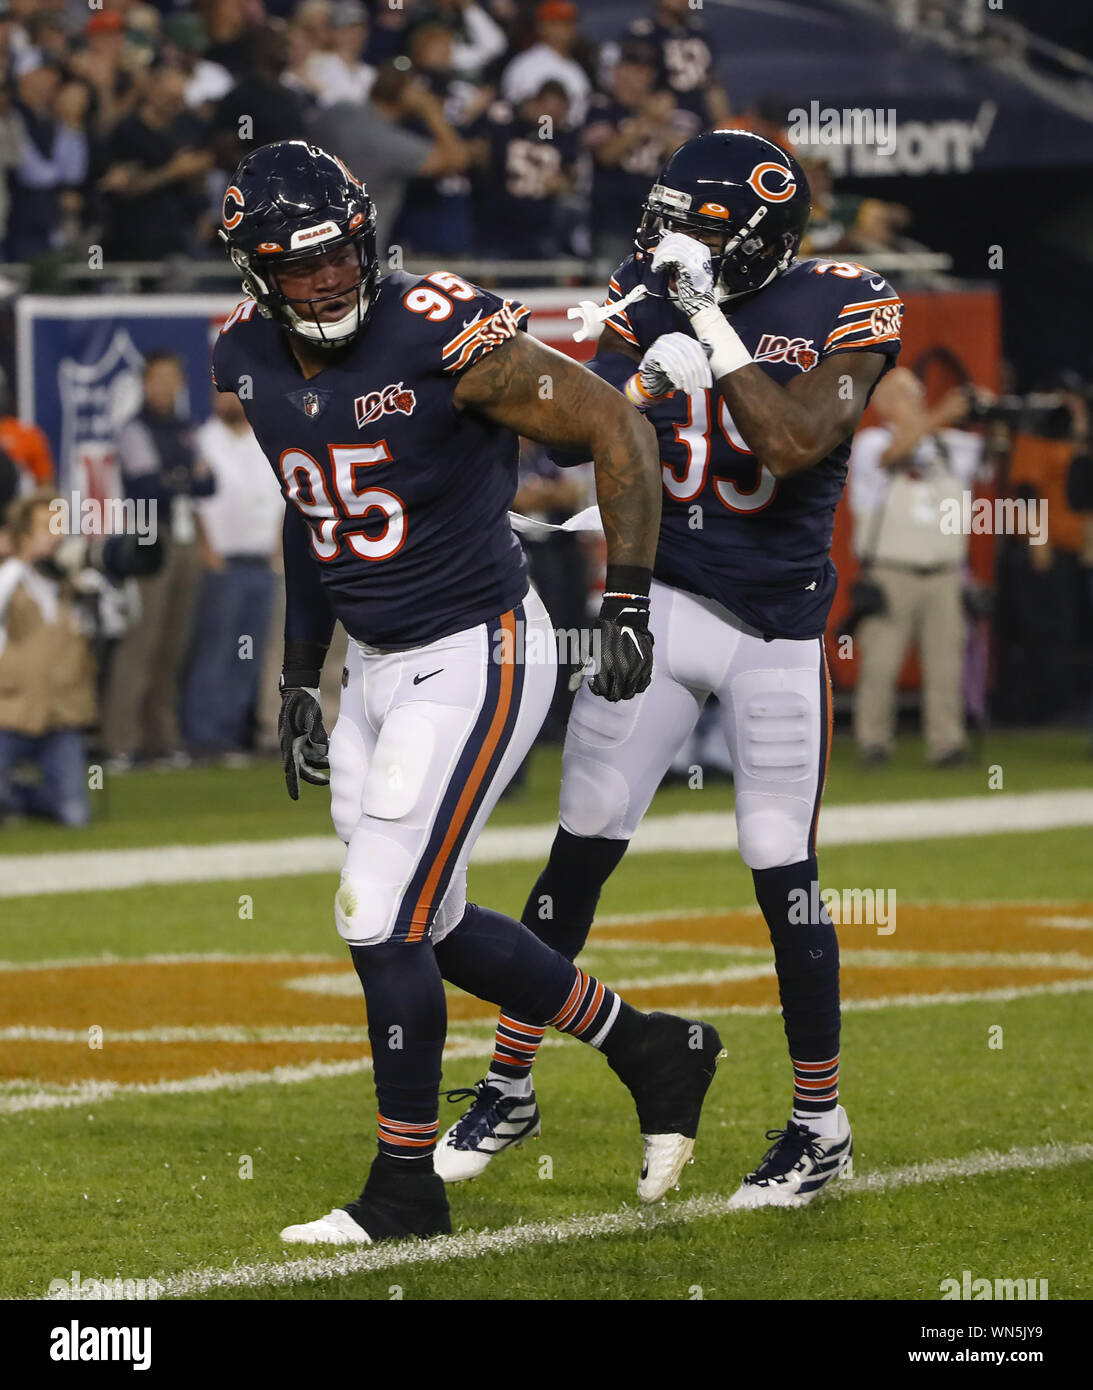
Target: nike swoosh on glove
675, 362
304, 741
688, 262
625, 665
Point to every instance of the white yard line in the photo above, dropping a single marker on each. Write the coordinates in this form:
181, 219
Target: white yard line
221, 1033
509, 1240
866, 823
19, 1096
175, 958
1005, 994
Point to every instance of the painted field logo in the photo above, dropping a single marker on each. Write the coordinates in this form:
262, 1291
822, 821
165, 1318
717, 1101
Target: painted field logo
967, 1287
76, 1343
845, 906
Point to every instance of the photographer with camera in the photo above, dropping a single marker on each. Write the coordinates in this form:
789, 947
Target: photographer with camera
47, 672
902, 473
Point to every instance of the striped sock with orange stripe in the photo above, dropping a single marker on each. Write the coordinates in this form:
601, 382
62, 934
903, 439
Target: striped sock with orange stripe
407, 1016
815, 1089
493, 957
514, 1047
398, 1139
590, 1011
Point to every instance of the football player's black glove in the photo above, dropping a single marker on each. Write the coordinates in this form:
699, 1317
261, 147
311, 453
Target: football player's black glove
625, 665
304, 740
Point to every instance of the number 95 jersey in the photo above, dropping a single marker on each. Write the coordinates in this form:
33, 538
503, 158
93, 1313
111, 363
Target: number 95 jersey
405, 495
730, 530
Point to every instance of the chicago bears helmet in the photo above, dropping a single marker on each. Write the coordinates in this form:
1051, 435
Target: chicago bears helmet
288, 203
741, 188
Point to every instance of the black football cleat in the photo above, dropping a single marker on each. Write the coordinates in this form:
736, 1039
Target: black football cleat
668, 1072
398, 1201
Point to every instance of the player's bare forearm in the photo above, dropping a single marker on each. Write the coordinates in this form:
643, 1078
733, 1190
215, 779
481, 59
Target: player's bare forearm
546, 396
791, 428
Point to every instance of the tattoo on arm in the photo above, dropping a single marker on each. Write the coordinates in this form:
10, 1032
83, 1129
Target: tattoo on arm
791, 428
540, 393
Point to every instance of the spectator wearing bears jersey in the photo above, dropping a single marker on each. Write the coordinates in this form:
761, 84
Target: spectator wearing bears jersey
530, 168
686, 61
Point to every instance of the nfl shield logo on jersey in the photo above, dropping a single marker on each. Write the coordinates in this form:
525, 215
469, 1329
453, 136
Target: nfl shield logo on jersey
311, 405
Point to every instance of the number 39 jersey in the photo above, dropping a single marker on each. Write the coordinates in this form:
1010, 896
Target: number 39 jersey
405, 495
730, 530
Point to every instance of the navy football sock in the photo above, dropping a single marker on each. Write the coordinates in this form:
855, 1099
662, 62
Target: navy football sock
407, 1021
806, 957
561, 906
496, 957
559, 910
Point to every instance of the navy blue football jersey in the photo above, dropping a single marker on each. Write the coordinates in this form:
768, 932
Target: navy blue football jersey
406, 496
757, 544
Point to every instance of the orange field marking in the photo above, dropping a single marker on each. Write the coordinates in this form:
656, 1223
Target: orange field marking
124, 997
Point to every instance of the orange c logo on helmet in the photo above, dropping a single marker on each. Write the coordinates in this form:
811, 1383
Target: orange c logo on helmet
757, 179
234, 219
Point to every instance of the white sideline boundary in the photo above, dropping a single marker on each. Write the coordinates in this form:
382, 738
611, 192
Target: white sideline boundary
856, 824
511, 1239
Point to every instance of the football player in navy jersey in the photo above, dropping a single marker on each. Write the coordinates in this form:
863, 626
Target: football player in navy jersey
754, 461
389, 410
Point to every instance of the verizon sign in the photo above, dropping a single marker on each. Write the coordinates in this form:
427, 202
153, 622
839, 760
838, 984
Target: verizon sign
948, 146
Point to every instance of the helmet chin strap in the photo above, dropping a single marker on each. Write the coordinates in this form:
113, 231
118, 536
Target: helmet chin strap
334, 334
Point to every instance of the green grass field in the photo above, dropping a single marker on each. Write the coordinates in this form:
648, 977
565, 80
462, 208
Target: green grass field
115, 1181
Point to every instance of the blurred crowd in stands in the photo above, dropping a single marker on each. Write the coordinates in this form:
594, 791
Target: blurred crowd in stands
492, 127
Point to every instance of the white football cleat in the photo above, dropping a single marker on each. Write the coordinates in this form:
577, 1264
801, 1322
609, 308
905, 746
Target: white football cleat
663, 1159
797, 1167
335, 1228
494, 1122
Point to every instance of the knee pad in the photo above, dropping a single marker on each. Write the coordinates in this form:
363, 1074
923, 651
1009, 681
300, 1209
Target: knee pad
771, 837
594, 800
369, 898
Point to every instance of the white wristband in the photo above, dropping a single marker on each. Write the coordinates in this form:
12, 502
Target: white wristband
716, 333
